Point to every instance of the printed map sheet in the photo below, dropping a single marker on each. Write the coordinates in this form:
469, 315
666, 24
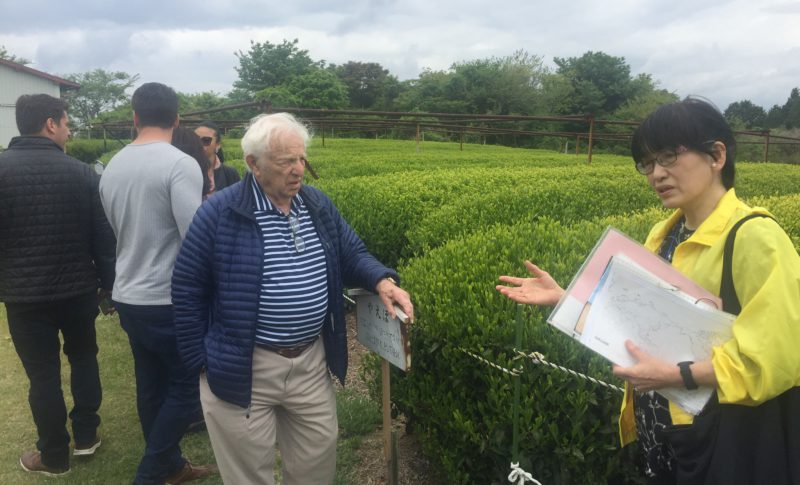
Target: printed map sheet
629, 304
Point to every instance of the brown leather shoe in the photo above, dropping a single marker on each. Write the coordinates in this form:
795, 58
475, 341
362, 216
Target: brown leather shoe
87, 449
32, 462
191, 472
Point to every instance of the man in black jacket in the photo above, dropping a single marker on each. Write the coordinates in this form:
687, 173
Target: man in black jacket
56, 246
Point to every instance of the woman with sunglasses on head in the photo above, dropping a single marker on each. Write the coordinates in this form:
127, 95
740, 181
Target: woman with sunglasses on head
749, 432
223, 175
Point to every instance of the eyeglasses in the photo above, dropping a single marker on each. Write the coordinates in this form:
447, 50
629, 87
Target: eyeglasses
666, 158
294, 225
206, 140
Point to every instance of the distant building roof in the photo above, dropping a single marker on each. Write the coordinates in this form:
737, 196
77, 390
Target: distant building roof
64, 83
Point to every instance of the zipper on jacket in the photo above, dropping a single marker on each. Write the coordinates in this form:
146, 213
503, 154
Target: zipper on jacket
247, 413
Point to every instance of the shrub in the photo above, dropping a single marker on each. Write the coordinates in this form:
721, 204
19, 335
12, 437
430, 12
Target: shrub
753, 179
239, 165
568, 427
786, 209
343, 158
386, 209
87, 151
566, 194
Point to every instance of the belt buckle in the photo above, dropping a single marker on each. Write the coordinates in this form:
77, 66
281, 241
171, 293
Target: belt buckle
292, 352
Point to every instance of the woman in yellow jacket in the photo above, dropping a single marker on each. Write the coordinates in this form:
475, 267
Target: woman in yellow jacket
686, 151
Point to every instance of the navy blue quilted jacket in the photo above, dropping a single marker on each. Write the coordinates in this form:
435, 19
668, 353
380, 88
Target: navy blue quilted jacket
216, 281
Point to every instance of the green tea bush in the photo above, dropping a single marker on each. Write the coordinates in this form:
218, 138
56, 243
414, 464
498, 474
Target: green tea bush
382, 208
566, 194
239, 164
754, 179
461, 408
385, 209
232, 147
786, 209
87, 151
343, 158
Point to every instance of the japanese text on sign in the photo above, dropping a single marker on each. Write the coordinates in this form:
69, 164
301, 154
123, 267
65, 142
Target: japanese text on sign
379, 332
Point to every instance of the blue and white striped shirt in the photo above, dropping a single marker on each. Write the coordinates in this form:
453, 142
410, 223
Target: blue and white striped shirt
293, 299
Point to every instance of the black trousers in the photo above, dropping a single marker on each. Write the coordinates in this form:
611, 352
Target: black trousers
34, 329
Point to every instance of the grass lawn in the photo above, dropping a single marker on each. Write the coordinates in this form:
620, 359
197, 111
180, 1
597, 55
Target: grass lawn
116, 460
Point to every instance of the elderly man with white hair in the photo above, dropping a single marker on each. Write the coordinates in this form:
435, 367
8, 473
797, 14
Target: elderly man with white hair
257, 293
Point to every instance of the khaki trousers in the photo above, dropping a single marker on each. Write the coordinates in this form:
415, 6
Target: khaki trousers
293, 401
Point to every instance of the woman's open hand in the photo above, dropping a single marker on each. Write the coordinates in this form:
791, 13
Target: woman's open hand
541, 289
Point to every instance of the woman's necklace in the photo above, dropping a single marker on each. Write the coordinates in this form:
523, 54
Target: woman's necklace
677, 235
684, 233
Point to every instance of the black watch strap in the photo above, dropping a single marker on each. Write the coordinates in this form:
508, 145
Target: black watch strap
686, 375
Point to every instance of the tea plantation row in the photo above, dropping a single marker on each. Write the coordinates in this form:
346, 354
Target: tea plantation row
453, 221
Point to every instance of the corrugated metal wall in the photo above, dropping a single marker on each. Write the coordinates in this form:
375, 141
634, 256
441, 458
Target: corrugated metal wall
14, 84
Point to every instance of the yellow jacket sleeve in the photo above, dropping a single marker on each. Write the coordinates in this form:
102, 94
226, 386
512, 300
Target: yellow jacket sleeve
762, 360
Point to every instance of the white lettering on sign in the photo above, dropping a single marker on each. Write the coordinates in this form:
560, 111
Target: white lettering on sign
379, 332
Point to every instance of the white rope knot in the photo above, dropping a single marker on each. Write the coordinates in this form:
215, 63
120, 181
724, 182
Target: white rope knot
520, 476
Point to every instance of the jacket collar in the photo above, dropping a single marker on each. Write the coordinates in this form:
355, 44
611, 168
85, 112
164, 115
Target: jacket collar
246, 203
713, 227
33, 141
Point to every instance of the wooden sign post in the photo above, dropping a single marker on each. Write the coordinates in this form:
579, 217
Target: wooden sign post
387, 337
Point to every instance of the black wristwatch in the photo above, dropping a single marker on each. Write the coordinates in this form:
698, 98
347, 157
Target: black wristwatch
686, 375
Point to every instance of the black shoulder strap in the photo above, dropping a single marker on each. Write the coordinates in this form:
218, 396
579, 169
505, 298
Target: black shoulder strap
727, 291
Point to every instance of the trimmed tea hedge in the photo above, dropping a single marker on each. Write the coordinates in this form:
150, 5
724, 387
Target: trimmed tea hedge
568, 426
786, 209
556, 193
342, 158
87, 151
764, 179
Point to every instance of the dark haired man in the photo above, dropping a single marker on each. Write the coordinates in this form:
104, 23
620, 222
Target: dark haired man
150, 192
57, 245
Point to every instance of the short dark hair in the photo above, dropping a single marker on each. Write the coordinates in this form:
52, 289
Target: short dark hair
692, 123
155, 104
33, 111
189, 143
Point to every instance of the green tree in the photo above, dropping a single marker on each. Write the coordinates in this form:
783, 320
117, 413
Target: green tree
502, 85
791, 110
496, 85
268, 65
369, 85
788, 115
189, 102
434, 92
645, 98
775, 116
746, 114
4, 54
101, 91
318, 88
557, 94
601, 83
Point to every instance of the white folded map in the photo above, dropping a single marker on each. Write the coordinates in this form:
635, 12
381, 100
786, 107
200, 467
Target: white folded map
630, 304
625, 292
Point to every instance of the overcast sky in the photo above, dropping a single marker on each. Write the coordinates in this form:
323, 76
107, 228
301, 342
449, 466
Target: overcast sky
725, 50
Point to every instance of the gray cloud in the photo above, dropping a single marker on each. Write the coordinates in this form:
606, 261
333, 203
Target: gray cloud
726, 50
